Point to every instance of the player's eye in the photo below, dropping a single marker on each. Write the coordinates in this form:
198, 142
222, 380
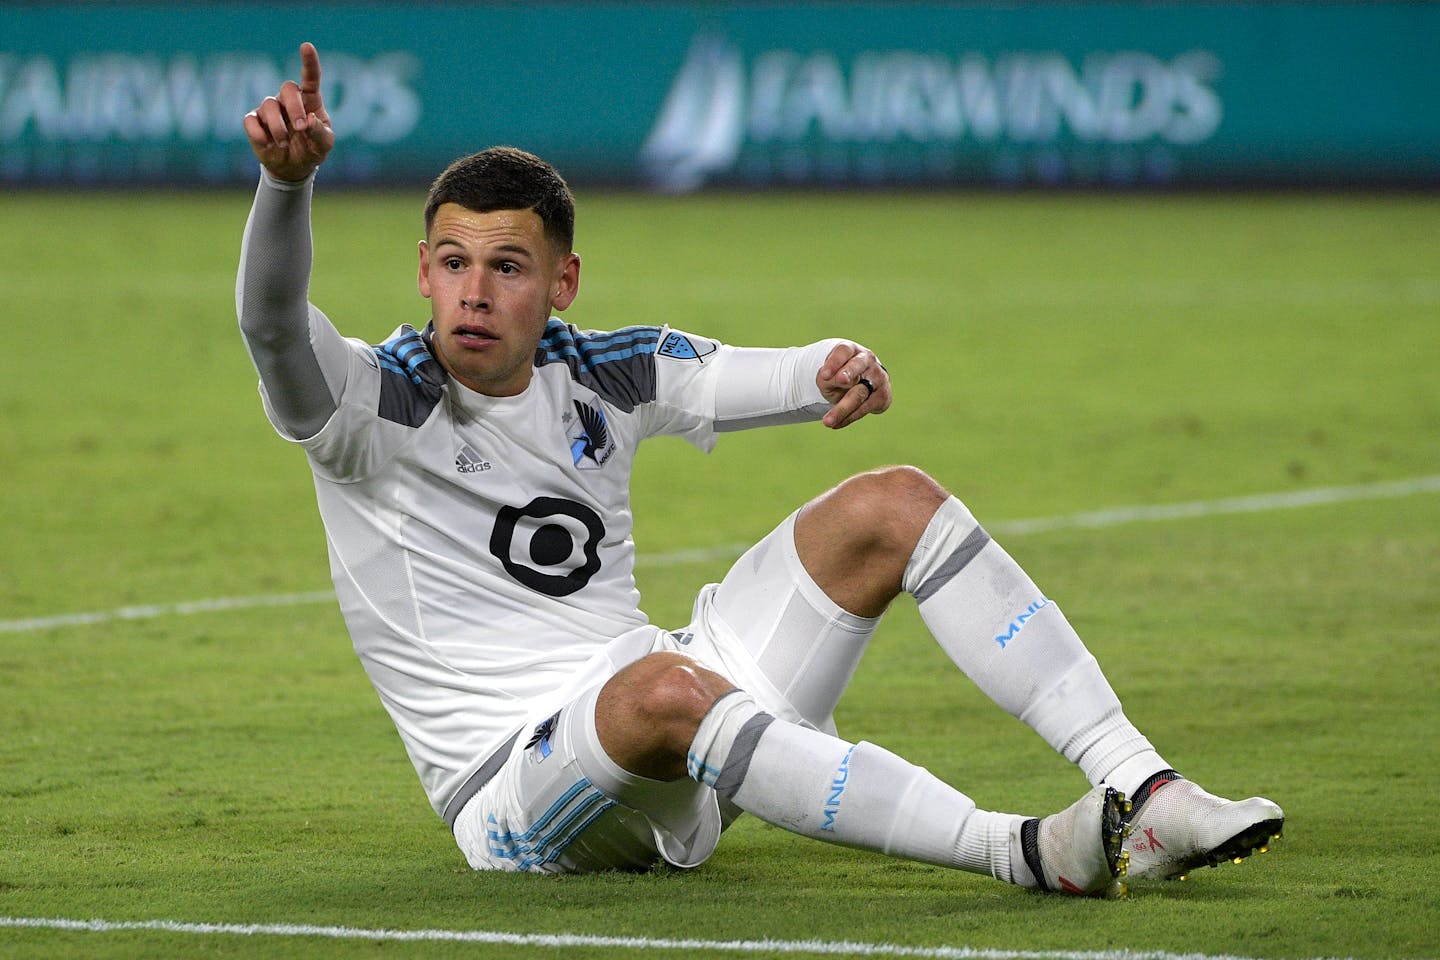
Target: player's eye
454, 263
508, 267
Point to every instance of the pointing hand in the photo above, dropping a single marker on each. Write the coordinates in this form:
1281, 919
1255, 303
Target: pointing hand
290, 132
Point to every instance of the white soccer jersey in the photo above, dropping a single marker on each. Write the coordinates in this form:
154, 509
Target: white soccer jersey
481, 546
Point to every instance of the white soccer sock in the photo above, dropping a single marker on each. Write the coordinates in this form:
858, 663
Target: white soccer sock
856, 795
1018, 648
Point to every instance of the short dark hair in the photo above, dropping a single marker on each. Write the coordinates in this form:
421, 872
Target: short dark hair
506, 178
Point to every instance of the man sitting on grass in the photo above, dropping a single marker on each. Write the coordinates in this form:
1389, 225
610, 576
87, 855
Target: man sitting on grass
473, 478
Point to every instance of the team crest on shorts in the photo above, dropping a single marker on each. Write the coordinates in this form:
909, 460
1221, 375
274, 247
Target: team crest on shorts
677, 346
589, 434
539, 743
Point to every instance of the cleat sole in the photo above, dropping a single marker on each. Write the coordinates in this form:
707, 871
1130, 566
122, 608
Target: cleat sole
1253, 839
1113, 832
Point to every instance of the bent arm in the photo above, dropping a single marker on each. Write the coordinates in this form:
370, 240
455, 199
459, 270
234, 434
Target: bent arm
759, 387
301, 358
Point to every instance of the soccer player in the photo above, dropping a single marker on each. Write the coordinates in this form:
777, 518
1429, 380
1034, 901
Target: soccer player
473, 478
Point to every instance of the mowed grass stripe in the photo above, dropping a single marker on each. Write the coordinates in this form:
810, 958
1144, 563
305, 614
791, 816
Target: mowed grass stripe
1097, 519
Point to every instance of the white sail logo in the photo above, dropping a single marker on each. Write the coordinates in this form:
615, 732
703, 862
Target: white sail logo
701, 124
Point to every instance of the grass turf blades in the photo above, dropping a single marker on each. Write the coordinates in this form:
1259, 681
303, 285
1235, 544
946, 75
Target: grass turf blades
1052, 356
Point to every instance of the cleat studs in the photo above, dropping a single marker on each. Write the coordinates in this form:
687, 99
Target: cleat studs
1238, 860
1264, 850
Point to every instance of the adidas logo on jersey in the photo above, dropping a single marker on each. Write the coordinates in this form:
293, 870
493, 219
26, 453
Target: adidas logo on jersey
468, 461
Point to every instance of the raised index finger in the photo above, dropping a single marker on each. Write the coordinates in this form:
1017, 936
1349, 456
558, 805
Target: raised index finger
310, 79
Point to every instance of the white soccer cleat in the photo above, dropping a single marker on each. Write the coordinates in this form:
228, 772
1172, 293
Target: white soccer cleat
1079, 850
1179, 826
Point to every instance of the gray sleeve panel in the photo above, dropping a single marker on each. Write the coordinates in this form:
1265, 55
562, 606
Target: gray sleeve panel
799, 415
271, 301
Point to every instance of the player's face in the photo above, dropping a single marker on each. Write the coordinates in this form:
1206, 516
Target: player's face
492, 280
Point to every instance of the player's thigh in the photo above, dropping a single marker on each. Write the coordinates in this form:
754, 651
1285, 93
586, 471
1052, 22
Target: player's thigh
803, 643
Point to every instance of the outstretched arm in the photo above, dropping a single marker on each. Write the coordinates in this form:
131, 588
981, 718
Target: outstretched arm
298, 354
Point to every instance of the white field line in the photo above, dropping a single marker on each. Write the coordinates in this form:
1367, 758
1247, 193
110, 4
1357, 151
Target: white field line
151, 611
562, 940
1258, 503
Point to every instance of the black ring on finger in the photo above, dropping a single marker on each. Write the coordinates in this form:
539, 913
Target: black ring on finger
868, 386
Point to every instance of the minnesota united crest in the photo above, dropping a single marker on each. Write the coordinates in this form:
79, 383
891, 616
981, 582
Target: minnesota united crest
589, 433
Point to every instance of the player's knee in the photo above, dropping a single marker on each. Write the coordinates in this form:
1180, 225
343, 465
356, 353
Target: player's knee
668, 693
648, 713
889, 507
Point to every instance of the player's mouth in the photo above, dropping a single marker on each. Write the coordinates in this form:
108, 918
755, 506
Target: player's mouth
473, 336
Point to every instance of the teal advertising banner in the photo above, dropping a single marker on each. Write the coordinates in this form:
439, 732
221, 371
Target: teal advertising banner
683, 96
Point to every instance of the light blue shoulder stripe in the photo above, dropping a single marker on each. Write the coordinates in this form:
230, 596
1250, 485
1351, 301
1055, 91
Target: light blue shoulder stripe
618, 365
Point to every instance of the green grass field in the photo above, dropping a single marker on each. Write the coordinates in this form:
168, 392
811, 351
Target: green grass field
1053, 356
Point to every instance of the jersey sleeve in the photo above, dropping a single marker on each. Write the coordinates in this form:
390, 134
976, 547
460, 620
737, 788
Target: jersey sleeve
301, 358
348, 404
346, 446
704, 387
390, 390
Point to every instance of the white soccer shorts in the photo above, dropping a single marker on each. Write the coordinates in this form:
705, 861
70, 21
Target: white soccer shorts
767, 627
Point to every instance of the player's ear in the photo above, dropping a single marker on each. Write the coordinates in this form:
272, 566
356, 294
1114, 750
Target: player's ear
567, 284
424, 277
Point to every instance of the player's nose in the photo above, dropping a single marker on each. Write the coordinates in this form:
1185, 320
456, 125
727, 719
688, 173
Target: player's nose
475, 296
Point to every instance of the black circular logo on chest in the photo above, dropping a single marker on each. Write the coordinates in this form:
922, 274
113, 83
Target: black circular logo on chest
553, 545
550, 545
